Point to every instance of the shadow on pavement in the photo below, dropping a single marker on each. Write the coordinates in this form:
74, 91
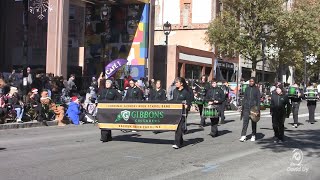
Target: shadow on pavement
1, 149
223, 132
228, 121
299, 124
190, 131
132, 138
308, 141
259, 136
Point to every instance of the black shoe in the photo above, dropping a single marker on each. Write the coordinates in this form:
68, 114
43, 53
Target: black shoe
104, 140
311, 122
201, 127
222, 122
109, 139
213, 135
275, 140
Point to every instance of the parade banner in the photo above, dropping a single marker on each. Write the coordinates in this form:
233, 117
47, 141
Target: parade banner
149, 116
114, 66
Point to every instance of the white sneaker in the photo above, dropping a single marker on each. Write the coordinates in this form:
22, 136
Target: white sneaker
295, 125
243, 138
134, 131
19, 121
253, 138
175, 146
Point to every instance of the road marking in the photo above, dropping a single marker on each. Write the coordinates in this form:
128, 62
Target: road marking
133, 157
209, 168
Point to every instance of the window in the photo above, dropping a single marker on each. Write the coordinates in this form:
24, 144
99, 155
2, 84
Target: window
185, 14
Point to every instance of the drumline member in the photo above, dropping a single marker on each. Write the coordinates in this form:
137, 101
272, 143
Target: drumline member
311, 96
158, 94
225, 90
279, 110
251, 99
215, 96
181, 93
108, 94
202, 91
296, 98
133, 93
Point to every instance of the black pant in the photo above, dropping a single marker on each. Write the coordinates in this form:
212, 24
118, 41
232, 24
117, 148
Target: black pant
214, 126
178, 139
311, 107
278, 118
3, 112
246, 118
222, 108
105, 135
295, 111
202, 119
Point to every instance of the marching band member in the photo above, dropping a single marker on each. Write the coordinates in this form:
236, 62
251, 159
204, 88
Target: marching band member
158, 94
295, 101
215, 96
311, 103
225, 89
202, 90
181, 93
133, 93
108, 94
251, 99
279, 110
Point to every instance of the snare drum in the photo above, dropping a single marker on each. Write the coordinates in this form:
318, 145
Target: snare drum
198, 101
293, 92
311, 95
210, 112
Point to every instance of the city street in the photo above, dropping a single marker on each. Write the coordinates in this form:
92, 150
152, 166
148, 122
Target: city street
75, 152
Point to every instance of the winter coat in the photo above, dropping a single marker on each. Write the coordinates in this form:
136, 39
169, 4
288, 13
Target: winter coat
157, 95
251, 97
73, 113
215, 94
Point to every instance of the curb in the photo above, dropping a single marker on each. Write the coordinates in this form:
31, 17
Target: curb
26, 125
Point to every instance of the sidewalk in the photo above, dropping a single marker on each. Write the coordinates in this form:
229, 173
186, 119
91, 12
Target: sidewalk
26, 125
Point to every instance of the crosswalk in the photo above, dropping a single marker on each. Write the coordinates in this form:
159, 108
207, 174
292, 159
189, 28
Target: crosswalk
266, 114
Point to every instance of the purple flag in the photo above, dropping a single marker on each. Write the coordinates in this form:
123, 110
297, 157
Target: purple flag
114, 66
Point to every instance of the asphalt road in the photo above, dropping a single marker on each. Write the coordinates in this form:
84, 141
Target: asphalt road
75, 152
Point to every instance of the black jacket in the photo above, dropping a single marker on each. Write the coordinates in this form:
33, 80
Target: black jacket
134, 94
215, 94
280, 104
159, 95
203, 89
251, 97
109, 94
297, 99
183, 95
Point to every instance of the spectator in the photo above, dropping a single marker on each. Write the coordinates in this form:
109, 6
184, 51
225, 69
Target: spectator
74, 113
14, 79
16, 102
3, 110
71, 86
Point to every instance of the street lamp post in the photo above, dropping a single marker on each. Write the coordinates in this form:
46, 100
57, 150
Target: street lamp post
311, 59
166, 31
272, 52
